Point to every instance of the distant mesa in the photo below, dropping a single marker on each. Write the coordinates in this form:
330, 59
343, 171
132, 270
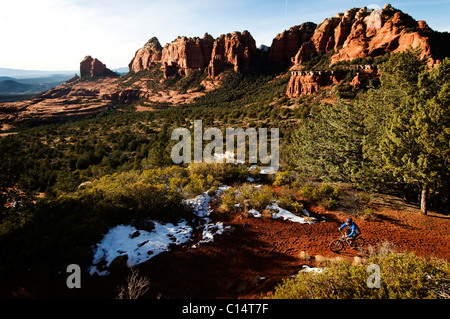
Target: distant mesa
94, 67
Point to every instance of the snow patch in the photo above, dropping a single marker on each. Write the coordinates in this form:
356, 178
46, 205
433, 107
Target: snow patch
306, 268
138, 245
209, 231
287, 215
255, 213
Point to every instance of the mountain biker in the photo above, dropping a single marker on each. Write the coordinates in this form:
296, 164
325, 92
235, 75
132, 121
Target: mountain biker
353, 231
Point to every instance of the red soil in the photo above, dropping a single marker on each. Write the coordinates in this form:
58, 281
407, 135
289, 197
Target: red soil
232, 265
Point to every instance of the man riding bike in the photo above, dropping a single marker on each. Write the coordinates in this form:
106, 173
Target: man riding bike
353, 231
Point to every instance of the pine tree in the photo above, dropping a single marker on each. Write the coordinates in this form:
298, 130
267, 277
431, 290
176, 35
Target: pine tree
415, 144
329, 145
396, 132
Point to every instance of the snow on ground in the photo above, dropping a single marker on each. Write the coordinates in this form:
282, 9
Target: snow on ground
285, 214
200, 206
139, 245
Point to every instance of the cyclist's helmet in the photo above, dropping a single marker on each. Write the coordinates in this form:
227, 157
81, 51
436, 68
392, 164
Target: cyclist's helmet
349, 221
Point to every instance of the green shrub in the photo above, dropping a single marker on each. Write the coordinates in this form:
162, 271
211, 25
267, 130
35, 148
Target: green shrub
280, 178
325, 190
229, 199
402, 276
290, 204
325, 194
247, 197
221, 171
261, 198
331, 203
309, 192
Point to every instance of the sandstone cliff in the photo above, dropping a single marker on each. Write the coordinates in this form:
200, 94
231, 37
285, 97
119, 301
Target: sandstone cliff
308, 82
362, 33
235, 49
185, 55
286, 44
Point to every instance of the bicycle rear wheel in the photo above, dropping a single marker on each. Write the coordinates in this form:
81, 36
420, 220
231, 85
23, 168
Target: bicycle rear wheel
358, 243
336, 246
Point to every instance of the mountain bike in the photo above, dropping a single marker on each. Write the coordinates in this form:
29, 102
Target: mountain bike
338, 244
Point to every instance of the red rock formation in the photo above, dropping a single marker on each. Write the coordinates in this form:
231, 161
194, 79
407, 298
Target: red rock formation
322, 40
185, 54
382, 32
94, 67
361, 33
236, 49
149, 54
308, 82
286, 44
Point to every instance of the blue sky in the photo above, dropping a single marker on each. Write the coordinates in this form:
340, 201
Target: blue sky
57, 34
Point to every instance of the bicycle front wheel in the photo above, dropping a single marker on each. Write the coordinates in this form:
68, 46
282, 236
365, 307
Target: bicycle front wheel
336, 246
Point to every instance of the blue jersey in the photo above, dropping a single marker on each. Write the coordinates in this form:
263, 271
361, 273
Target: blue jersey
354, 229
